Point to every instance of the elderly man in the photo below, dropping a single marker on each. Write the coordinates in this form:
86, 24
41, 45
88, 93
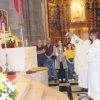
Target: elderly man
94, 67
81, 63
50, 61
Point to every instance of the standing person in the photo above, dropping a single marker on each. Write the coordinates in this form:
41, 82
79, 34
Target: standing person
40, 54
61, 62
81, 63
94, 66
50, 60
70, 61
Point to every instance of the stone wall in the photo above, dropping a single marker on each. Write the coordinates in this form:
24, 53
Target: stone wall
14, 18
4, 4
35, 19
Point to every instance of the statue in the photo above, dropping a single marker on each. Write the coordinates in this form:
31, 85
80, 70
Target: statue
3, 20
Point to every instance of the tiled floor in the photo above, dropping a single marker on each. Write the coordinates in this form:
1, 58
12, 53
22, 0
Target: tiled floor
68, 88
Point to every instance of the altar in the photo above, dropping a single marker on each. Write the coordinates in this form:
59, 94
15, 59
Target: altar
18, 59
39, 74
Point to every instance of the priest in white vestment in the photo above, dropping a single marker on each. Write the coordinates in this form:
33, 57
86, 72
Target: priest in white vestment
94, 67
81, 62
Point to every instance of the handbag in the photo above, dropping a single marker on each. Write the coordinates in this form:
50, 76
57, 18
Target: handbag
53, 57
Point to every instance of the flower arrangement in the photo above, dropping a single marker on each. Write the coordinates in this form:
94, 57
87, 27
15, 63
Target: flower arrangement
7, 90
12, 41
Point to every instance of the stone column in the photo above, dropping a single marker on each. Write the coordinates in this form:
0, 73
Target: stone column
45, 18
35, 20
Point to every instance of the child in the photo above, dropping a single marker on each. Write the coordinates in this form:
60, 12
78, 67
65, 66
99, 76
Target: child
70, 61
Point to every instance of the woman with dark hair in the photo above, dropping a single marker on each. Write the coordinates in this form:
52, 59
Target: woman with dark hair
60, 62
70, 61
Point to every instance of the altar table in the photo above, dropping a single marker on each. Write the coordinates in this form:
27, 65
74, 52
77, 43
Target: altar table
19, 59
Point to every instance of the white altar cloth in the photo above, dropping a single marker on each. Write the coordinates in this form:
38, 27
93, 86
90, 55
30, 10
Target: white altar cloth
19, 59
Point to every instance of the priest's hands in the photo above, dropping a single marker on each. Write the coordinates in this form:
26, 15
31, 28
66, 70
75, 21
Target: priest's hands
69, 34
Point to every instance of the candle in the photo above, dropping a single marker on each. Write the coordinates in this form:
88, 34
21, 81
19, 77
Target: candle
22, 37
4, 33
16, 43
9, 31
26, 43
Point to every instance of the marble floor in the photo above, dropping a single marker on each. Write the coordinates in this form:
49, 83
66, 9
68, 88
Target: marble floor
69, 88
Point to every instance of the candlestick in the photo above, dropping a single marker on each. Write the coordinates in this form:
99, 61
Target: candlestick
4, 36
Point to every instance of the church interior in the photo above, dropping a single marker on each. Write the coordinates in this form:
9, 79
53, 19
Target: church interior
24, 25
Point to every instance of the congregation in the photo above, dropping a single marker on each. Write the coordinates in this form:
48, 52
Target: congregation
57, 58
80, 57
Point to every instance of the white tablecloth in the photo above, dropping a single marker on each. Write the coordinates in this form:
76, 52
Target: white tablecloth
19, 59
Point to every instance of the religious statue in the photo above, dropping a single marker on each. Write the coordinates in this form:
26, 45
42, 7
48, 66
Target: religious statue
3, 19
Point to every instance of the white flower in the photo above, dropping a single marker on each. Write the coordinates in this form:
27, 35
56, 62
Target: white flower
8, 39
3, 79
4, 96
10, 86
6, 88
9, 91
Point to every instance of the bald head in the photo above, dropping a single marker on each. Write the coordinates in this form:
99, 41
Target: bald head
85, 36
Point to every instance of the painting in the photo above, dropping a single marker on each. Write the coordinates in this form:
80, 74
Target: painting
77, 11
3, 19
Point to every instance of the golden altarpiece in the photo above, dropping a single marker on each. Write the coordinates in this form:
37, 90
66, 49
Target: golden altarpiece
77, 16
